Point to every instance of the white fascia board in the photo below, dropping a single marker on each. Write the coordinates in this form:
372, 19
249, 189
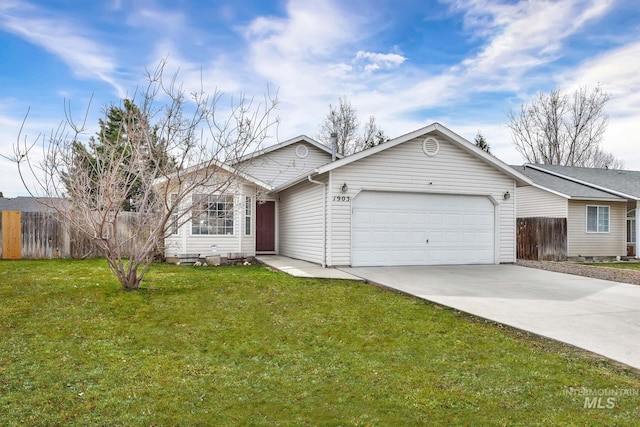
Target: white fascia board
579, 181
557, 193
300, 138
595, 199
380, 147
460, 141
222, 166
294, 181
489, 158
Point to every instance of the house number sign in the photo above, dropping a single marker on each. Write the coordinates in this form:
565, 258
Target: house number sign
341, 198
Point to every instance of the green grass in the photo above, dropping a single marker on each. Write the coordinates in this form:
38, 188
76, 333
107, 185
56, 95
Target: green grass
624, 265
248, 346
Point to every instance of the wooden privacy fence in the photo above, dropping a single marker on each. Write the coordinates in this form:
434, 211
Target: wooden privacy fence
37, 235
542, 239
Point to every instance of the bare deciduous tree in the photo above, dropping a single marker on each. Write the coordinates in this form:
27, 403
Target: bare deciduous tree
343, 121
563, 129
372, 135
199, 136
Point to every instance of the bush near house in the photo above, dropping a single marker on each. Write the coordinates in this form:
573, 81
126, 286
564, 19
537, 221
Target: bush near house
244, 345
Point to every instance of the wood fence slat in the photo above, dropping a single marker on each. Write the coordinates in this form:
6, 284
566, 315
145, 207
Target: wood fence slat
38, 235
11, 234
540, 238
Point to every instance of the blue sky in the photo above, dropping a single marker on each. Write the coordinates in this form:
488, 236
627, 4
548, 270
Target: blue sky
464, 63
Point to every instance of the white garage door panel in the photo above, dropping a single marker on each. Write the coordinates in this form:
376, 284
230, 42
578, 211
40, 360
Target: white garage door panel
393, 229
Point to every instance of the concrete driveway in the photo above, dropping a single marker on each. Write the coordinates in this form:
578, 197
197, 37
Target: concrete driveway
596, 315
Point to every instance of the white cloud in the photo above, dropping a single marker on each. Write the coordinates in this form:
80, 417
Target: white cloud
85, 57
158, 19
617, 72
523, 35
379, 61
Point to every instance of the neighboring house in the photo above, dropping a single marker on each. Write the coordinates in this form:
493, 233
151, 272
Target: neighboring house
27, 204
427, 197
600, 206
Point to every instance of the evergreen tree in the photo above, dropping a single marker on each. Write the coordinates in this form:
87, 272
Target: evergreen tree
482, 143
113, 147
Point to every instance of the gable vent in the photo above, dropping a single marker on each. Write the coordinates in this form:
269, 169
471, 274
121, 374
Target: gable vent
430, 146
302, 151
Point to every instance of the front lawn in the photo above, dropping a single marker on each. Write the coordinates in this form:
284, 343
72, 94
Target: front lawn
248, 346
628, 265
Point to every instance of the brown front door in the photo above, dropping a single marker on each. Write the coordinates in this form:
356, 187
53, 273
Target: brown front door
265, 227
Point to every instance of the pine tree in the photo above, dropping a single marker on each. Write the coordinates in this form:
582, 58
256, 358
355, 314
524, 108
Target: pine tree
482, 143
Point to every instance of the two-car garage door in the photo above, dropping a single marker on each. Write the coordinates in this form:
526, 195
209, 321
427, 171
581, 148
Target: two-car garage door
421, 229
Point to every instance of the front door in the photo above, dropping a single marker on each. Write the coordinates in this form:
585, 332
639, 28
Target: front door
265, 226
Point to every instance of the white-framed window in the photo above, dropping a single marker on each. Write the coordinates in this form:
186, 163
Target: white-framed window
173, 221
598, 219
248, 209
212, 215
631, 226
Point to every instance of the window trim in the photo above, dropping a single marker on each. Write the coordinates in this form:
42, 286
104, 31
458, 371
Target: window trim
248, 216
631, 232
173, 220
598, 207
209, 201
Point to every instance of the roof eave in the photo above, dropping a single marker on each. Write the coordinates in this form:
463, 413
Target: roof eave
463, 143
579, 181
299, 138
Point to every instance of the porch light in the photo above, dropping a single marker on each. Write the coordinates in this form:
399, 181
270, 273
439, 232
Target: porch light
506, 195
345, 188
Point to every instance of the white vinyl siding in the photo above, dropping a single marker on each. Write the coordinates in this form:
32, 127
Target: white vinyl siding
301, 231
406, 168
581, 243
283, 165
535, 202
186, 242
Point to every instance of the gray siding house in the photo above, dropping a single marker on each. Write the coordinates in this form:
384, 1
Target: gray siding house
428, 197
600, 206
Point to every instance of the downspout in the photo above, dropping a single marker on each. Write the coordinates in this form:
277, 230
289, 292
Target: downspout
324, 219
241, 231
637, 246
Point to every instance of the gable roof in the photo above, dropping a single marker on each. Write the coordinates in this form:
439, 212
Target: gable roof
297, 139
224, 166
564, 187
622, 183
459, 141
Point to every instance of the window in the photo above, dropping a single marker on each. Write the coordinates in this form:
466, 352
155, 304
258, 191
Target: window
631, 226
173, 227
212, 215
247, 216
597, 219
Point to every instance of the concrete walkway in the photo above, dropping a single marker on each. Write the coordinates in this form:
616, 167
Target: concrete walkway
597, 315
299, 268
